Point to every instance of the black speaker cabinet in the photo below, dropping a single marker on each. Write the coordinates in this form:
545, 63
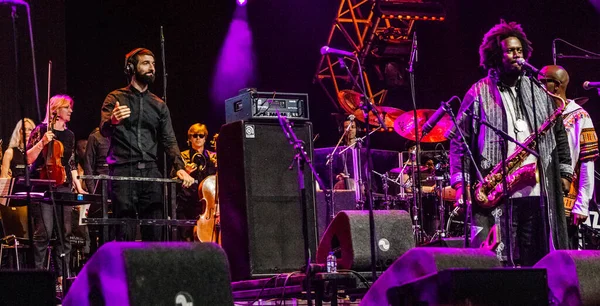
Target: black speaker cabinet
348, 236
499, 286
572, 276
422, 261
260, 203
153, 273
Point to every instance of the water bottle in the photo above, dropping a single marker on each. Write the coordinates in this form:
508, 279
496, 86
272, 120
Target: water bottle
331, 263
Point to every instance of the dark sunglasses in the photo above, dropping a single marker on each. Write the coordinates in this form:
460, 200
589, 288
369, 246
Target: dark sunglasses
198, 135
548, 80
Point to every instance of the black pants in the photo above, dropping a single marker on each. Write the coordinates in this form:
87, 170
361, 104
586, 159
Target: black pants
527, 231
44, 223
572, 234
143, 200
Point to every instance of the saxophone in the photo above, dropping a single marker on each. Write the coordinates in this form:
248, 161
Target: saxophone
489, 192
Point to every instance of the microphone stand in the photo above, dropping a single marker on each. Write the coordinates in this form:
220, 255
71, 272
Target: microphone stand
543, 191
301, 159
168, 228
329, 193
465, 186
14, 17
417, 192
367, 107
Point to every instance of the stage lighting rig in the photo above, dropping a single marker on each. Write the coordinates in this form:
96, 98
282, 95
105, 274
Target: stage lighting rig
379, 32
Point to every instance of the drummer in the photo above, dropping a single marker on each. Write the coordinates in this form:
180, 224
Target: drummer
427, 170
199, 163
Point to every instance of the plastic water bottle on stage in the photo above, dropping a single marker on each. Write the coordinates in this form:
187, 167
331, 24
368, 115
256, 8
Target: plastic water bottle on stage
331, 263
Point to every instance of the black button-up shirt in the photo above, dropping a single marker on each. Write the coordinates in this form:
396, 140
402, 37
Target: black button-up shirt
136, 138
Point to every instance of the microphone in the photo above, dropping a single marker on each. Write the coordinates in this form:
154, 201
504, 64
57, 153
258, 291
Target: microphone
326, 50
351, 117
435, 118
527, 66
451, 133
341, 62
587, 85
414, 57
554, 51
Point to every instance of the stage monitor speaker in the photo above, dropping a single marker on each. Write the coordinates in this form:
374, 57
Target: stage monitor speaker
153, 273
348, 236
573, 276
421, 261
490, 287
342, 199
27, 288
260, 203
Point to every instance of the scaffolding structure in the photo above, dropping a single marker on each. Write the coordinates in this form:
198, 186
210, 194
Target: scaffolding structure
380, 33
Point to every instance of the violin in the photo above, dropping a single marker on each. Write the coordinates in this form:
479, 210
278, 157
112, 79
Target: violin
54, 150
53, 168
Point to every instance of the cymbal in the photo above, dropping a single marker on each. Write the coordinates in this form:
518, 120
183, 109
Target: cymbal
388, 113
349, 100
404, 125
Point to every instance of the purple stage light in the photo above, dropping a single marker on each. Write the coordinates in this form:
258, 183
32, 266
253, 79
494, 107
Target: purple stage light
242, 2
235, 68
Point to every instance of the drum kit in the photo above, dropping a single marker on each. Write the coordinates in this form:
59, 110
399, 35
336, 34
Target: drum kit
436, 218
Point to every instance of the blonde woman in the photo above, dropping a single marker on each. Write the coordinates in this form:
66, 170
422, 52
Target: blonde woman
13, 162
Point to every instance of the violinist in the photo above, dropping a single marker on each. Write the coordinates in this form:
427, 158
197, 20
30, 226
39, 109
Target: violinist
199, 163
44, 155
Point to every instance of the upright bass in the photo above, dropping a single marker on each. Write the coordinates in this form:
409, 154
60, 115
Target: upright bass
208, 227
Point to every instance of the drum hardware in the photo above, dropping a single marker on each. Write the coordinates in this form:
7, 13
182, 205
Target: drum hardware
356, 161
385, 179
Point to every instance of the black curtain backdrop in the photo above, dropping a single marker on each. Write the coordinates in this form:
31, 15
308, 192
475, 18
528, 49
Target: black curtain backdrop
90, 39
48, 24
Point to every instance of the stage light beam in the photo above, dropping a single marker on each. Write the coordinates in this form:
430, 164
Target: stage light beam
235, 68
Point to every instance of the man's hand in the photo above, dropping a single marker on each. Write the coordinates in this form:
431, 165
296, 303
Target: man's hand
566, 185
119, 113
578, 219
185, 177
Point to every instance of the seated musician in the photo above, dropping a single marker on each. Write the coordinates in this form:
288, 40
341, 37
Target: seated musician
13, 161
199, 163
427, 171
39, 149
343, 179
